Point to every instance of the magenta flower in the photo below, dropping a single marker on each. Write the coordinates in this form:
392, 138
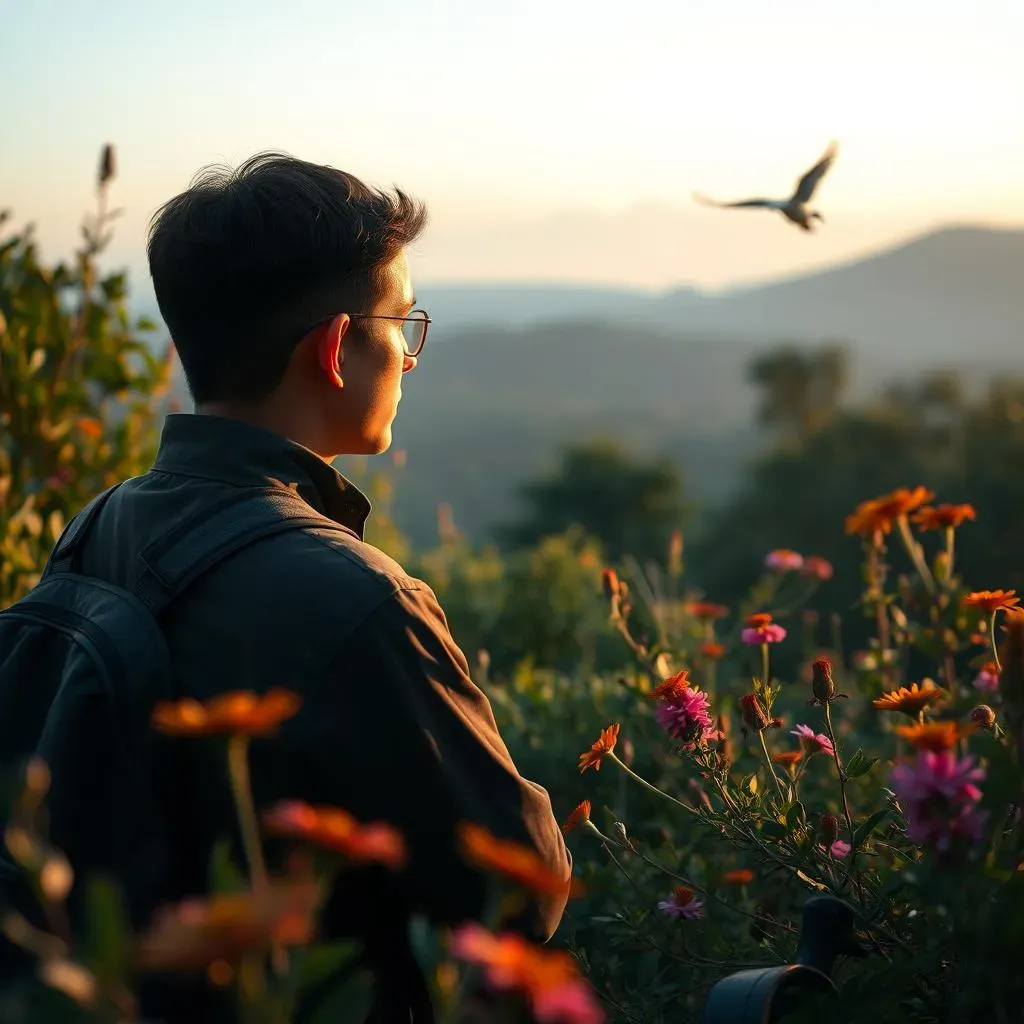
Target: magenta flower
986, 681
771, 633
784, 560
812, 742
939, 794
683, 903
686, 717
839, 849
817, 568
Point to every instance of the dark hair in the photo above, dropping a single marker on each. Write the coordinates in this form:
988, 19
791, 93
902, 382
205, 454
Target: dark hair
242, 260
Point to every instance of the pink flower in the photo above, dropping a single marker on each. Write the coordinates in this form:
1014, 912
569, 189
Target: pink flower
784, 560
683, 904
839, 849
986, 680
686, 717
570, 1003
939, 794
771, 633
817, 567
812, 742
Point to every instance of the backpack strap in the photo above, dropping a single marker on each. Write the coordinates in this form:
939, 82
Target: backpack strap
175, 560
64, 554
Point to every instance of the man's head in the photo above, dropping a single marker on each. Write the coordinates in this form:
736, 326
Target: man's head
283, 284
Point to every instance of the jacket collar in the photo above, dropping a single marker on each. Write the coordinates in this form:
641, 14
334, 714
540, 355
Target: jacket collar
237, 453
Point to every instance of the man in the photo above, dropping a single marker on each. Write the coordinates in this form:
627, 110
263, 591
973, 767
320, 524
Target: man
287, 293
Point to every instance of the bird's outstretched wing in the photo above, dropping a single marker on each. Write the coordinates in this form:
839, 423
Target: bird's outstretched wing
809, 182
770, 204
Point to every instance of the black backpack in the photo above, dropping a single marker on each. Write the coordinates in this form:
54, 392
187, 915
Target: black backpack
82, 664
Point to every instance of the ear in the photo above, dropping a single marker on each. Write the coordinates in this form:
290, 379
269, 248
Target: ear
330, 349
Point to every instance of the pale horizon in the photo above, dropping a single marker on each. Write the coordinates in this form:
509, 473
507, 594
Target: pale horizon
555, 142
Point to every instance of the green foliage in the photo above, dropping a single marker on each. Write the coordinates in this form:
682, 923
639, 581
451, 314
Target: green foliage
79, 392
631, 506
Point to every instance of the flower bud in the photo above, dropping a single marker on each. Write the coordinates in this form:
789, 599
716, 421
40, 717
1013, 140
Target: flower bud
754, 716
610, 583
984, 717
822, 685
828, 830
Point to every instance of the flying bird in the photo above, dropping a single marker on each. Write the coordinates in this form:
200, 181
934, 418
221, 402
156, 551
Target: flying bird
795, 207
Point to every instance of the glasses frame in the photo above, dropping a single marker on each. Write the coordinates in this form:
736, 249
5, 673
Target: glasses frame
424, 319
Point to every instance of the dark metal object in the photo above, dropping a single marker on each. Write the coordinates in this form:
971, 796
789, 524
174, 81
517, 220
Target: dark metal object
769, 994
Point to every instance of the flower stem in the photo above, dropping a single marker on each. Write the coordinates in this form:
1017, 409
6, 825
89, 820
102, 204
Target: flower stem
768, 762
241, 787
842, 779
992, 639
765, 664
914, 551
643, 782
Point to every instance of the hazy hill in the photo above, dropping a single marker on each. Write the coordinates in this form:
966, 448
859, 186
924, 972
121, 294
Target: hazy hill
513, 371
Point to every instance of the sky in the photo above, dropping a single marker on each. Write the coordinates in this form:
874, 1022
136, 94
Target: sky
552, 141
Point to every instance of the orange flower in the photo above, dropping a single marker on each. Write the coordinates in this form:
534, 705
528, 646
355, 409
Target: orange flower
711, 650
740, 876
672, 687
603, 745
580, 815
89, 426
707, 610
759, 620
937, 736
240, 712
943, 516
878, 514
913, 701
991, 600
548, 979
198, 932
519, 863
788, 758
337, 830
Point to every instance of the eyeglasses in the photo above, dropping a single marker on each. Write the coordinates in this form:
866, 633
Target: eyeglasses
414, 327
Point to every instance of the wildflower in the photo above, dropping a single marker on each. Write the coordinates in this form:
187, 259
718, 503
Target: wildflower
771, 633
812, 742
935, 736
839, 849
739, 876
671, 688
817, 568
707, 611
990, 601
755, 718
823, 687
579, 816
942, 517
686, 717
828, 829
987, 679
89, 426
337, 830
197, 932
784, 560
788, 758
239, 712
939, 795
600, 748
758, 620
683, 903
913, 701
711, 650
878, 514
610, 582
516, 862
983, 717
548, 979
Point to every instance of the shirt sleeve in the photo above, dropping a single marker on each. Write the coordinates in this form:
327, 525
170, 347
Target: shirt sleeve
429, 756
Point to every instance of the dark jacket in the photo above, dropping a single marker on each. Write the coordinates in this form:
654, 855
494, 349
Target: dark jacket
391, 726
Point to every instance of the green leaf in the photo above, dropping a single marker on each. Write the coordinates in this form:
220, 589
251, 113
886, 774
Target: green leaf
795, 816
318, 963
859, 764
108, 930
349, 1003
225, 874
861, 832
774, 829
